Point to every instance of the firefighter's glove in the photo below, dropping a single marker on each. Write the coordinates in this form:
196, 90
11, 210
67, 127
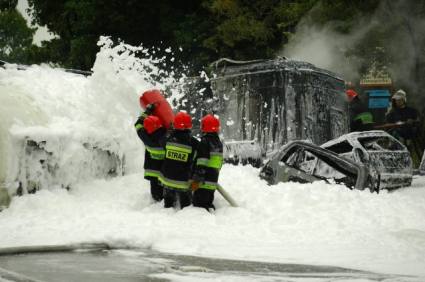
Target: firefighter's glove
149, 109
194, 185
410, 121
139, 122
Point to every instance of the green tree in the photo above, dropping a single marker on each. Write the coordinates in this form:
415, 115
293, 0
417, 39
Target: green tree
15, 35
79, 24
248, 29
343, 14
8, 5
206, 30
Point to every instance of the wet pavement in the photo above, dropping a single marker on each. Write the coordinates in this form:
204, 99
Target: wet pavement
147, 265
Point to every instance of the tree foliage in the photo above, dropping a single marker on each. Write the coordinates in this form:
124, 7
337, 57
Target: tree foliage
344, 14
79, 24
15, 35
206, 30
6, 5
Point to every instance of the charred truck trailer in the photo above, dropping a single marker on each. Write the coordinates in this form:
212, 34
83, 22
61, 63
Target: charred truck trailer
277, 101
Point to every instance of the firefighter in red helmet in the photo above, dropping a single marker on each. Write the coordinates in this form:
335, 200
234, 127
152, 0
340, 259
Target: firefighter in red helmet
180, 147
152, 133
209, 160
360, 117
351, 94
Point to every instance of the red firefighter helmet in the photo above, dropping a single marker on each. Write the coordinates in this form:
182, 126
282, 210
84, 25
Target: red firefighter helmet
210, 123
182, 121
151, 124
351, 94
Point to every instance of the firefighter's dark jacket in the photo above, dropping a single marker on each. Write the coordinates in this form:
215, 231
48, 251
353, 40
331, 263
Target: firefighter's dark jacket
408, 131
209, 160
180, 150
155, 152
360, 117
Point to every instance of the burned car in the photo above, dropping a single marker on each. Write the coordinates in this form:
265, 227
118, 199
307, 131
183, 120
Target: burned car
304, 162
378, 151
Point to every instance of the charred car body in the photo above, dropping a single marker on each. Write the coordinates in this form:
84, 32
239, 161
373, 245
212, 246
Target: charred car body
303, 162
380, 152
372, 159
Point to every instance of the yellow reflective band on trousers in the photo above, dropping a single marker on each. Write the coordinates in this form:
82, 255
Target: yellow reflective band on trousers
177, 152
365, 117
175, 184
157, 153
215, 161
152, 173
209, 185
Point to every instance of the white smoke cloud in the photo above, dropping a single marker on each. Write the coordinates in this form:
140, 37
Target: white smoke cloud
323, 46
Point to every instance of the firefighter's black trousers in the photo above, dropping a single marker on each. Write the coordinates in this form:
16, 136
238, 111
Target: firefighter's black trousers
203, 198
176, 198
157, 190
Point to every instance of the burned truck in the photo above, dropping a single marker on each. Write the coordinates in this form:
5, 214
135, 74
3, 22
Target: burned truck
272, 102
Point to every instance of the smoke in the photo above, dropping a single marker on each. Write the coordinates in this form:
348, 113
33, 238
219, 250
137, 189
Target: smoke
326, 48
391, 37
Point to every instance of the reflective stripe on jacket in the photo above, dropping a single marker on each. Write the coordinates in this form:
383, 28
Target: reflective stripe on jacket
174, 184
157, 153
365, 117
215, 160
151, 173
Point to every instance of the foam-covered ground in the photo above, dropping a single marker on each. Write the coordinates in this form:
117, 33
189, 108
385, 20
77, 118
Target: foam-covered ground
292, 223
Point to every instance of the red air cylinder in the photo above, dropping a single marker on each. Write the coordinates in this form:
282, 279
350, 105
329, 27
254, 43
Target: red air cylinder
162, 109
